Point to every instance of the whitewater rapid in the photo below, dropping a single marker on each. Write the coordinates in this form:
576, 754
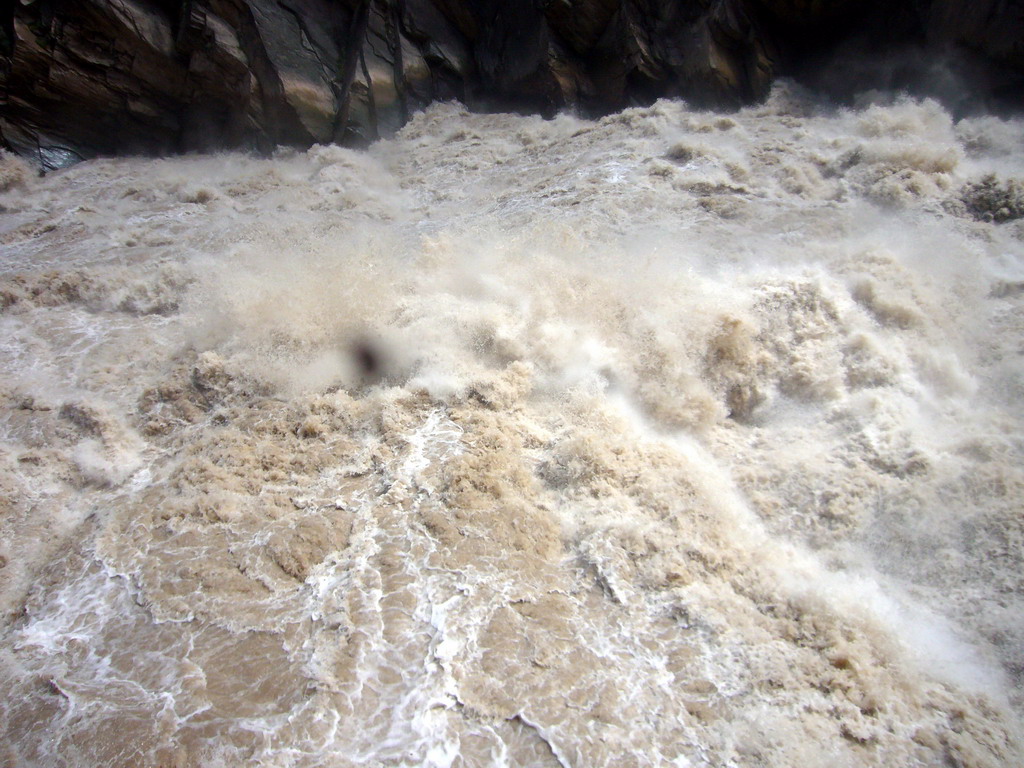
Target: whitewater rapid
670, 438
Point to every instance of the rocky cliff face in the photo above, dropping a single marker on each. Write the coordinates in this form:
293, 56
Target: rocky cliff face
85, 77
154, 76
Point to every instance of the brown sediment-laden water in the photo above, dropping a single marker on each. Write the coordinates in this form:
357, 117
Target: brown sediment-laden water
668, 439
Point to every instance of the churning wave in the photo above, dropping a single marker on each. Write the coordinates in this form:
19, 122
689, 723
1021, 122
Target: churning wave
672, 438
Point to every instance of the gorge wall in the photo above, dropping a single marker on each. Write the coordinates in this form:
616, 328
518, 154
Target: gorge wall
95, 77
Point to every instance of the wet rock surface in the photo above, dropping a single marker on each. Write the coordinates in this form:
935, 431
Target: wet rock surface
156, 76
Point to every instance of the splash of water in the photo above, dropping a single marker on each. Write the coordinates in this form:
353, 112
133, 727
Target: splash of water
673, 438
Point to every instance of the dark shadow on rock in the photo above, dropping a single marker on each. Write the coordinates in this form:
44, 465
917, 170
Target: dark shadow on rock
96, 77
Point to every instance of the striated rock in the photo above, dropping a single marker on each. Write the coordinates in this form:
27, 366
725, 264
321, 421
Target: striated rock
157, 76
91, 77
94, 77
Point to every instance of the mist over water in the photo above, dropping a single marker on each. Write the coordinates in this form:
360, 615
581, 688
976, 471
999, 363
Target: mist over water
673, 438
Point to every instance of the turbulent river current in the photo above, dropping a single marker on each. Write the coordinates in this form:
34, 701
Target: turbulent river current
672, 438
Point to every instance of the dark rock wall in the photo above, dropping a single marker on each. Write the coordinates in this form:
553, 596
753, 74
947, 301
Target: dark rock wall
85, 77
